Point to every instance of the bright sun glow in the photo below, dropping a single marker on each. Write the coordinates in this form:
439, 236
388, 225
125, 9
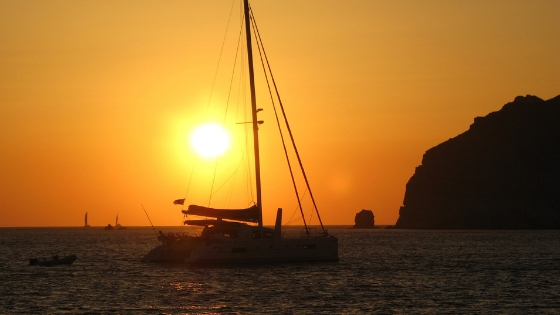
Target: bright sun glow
210, 140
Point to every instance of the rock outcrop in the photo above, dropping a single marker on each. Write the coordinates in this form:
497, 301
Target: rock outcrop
364, 220
503, 173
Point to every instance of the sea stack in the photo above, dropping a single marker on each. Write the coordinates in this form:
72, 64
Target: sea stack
503, 173
364, 220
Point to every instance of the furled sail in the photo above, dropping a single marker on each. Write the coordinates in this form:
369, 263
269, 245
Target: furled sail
246, 215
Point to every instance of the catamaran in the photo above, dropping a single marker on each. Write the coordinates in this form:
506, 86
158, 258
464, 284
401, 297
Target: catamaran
238, 235
118, 225
85, 221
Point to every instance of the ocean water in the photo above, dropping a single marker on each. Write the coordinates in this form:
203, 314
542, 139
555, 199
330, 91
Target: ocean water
380, 272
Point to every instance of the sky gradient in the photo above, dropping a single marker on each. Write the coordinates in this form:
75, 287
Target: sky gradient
98, 98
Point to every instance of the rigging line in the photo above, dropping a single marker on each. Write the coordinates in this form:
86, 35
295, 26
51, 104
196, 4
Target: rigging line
259, 45
227, 102
225, 113
291, 217
149, 218
247, 155
245, 138
182, 223
242, 99
187, 193
248, 179
229, 178
233, 73
188, 186
293, 213
223, 184
219, 60
232, 178
229, 193
290, 132
242, 95
254, 112
213, 180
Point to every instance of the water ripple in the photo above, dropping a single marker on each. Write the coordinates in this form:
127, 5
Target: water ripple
380, 271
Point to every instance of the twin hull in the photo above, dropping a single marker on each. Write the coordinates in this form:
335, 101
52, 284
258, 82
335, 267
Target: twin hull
320, 248
193, 251
171, 253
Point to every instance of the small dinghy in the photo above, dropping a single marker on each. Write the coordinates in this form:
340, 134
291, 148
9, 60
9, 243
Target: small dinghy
68, 260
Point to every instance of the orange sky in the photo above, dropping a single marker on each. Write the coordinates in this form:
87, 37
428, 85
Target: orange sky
97, 98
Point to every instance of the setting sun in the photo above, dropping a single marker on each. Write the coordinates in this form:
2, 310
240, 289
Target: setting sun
368, 87
210, 140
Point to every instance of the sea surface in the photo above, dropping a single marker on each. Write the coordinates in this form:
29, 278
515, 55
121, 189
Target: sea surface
380, 271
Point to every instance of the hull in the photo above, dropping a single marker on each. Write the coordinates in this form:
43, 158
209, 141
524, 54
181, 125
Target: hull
275, 250
232, 242
171, 253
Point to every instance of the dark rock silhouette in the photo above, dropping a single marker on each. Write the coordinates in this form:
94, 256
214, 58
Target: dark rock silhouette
364, 220
503, 173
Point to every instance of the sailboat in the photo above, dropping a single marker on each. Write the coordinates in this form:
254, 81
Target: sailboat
117, 225
238, 235
86, 225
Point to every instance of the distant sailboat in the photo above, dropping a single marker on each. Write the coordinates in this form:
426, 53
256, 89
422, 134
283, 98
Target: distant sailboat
85, 223
117, 225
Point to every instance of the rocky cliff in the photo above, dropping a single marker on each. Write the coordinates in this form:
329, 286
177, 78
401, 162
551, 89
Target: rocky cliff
503, 173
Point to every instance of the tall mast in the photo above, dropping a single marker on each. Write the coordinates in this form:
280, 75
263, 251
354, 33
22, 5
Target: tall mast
254, 108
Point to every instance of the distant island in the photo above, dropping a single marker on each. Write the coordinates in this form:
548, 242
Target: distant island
503, 173
364, 220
